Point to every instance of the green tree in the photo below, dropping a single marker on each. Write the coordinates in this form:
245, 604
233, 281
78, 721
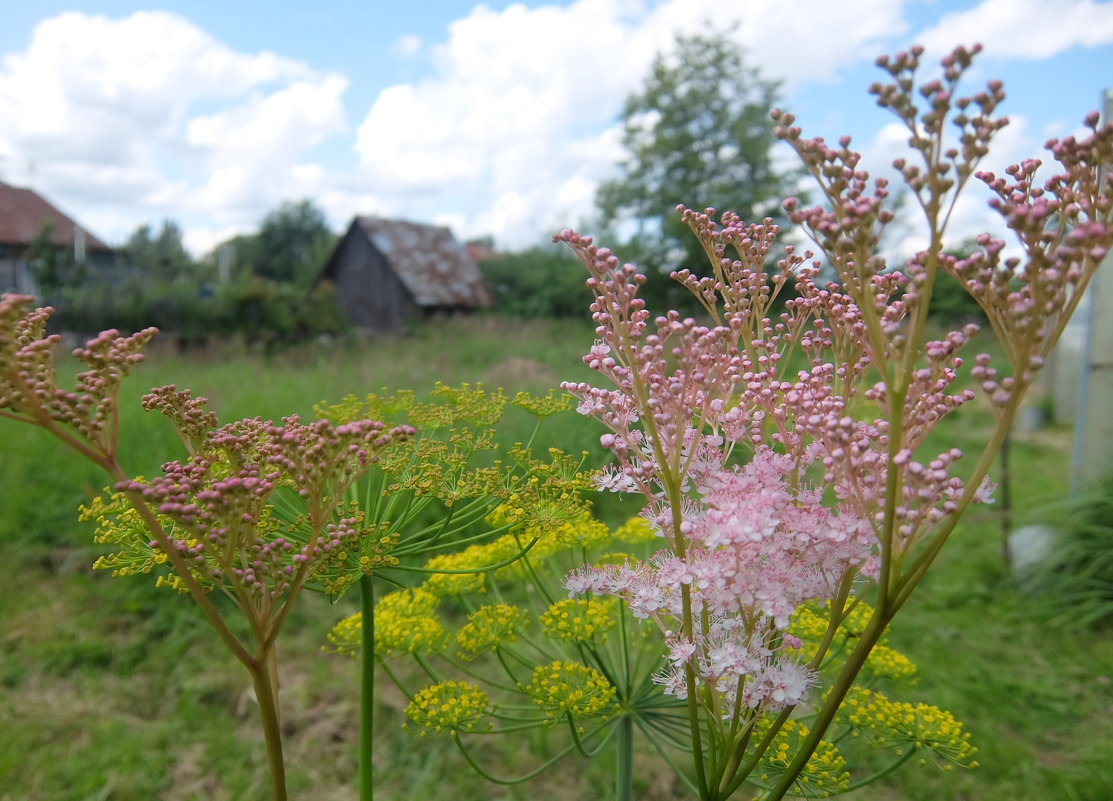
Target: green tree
291, 245
160, 257
55, 269
539, 282
697, 133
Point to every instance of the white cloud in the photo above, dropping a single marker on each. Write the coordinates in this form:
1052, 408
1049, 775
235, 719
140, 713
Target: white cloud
408, 45
132, 119
1024, 29
520, 116
108, 109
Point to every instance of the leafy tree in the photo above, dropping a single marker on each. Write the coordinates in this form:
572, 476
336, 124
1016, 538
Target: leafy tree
697, 133
160, 257
538, 282
291, 245
54, 268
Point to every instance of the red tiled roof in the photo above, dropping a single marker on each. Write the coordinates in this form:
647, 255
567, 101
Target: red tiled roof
23, 213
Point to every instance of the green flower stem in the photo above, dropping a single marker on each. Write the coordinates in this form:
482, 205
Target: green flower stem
826, 713
430, 671
463, 668
397, 683
265, 694
881, 773
624, 760
924, 560
664, 754
578, 741
518, 779
469, 571
502, 661
735, 780
199, 596
366, 688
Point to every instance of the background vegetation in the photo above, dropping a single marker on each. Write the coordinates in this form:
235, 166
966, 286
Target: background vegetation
110, 689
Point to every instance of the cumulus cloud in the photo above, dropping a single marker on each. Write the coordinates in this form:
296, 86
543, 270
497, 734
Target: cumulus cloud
521, 111
1025, 29
107, 110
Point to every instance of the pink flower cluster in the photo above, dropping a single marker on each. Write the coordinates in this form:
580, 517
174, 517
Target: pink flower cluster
757, 550
688, 398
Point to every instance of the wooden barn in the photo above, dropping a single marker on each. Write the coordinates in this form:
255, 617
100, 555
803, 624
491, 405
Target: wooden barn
24, 217
387, 272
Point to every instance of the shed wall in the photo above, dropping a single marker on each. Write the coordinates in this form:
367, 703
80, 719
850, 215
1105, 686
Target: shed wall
367, 289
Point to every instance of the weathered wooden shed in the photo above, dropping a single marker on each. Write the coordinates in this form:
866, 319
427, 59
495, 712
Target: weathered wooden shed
387, 272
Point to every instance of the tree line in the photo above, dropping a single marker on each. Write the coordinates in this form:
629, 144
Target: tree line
259, 286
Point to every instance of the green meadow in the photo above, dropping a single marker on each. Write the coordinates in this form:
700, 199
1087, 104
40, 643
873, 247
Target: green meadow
112, 690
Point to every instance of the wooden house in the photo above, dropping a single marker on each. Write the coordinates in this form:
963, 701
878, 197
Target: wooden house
24, 216
387, 272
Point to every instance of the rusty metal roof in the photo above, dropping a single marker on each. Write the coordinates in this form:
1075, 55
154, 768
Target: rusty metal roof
433, 266
24, 213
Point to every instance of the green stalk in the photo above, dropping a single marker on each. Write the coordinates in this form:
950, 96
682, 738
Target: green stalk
826, 713
366, 688
624, 760
272, 729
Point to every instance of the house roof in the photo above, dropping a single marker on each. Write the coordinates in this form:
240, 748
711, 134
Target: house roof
430, 263
24, 213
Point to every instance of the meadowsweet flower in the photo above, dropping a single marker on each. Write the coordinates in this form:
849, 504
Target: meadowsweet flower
452, 706
569, 689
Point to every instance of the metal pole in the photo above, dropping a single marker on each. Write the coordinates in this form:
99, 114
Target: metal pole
1093, 433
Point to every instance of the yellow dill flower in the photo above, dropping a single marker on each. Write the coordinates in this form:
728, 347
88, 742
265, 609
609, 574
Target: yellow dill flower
473, 404
488, 627
580, 620
569, 688
543, 406
406, 622
452, 706
474, 557
809, 623
824, 775
886, 663
346, 636
119, 525
586, 531
900, 724
635, 530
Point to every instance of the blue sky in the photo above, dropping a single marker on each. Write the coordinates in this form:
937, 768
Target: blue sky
495, 119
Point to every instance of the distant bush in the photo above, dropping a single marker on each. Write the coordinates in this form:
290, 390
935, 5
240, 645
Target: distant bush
538, 283
258, 311
951, 304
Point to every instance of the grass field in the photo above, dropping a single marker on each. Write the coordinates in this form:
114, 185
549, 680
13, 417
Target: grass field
112, 690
